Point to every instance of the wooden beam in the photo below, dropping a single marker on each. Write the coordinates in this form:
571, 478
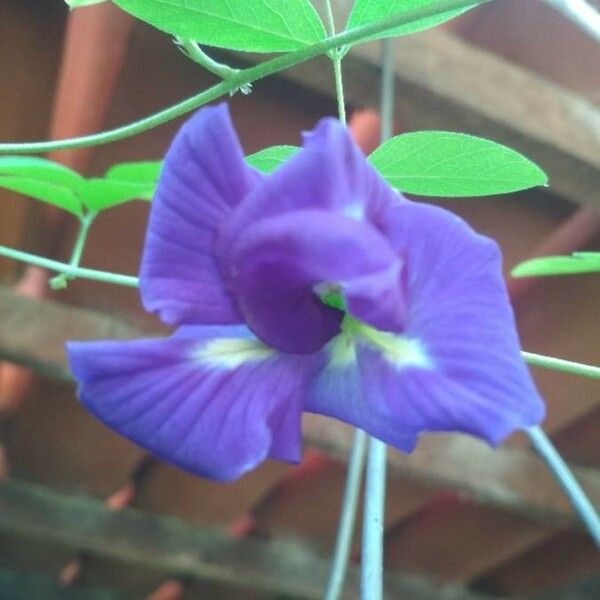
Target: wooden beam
33, 332
508, 477
172, 547
445, 83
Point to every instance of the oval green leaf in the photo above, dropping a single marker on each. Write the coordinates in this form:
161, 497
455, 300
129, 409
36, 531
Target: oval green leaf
369, 11
248, 25
269, 159
40, 169
51, 193
99, 194
579, 262
136, 172
446, 164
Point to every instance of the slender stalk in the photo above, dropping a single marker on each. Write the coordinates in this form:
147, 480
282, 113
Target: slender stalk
580, 12
371, 575
193, 51
60, 281
237, 81
343, 543
566, 479
371, 587
560, 364
60, 267
336, 57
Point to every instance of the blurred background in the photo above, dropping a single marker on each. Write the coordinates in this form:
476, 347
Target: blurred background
85, 514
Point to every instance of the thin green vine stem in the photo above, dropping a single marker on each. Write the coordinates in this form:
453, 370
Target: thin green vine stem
565, 478
240, 79
356, 460
371, 574
193, 51
371, 577
60, 267
560, 364
343, 542
85, 222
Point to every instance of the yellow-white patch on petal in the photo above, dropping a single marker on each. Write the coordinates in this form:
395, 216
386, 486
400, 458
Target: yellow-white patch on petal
230, 353
399, 350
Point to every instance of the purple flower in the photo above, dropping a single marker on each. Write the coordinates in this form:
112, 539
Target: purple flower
317, 288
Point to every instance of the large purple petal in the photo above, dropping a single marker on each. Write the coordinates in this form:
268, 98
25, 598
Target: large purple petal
204, 177
278, 265
215, 402
329, 173
457, 365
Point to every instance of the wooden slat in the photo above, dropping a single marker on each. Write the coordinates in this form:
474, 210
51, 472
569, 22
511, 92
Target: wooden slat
169, 546
510, 477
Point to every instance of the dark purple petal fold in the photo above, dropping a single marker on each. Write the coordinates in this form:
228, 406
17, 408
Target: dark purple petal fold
279, 265
214, 401
203, 178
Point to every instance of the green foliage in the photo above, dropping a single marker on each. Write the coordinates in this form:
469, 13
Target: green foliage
579, 262
59, 195
251, 25
369, 11
269, 159
143, 172
55, 184
440, 163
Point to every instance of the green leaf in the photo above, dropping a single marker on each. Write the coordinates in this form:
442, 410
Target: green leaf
99, 194
269, 159
51, 193
579, 262
136, 172
441, 163
369, 11
249, 25
77, 3
41, 170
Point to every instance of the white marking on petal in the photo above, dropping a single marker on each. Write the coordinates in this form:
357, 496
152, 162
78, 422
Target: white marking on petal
355, 210
230, 353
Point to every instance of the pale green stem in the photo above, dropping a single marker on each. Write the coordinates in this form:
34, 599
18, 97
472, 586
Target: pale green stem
60, 267
336, 57
242, 78
343, 543
560, 364
371, 575
565, 478
195, 53
60, 281
371, 587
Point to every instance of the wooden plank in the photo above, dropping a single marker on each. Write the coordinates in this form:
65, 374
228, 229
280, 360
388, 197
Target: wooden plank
445, 83
509, 477
169, 546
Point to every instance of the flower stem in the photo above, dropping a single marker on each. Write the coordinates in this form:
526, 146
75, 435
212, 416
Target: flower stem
371, 582
60, 267
566, 479
560, 364
193, 51
343, 543
60, 281
243, 77
336, 57
371, 576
